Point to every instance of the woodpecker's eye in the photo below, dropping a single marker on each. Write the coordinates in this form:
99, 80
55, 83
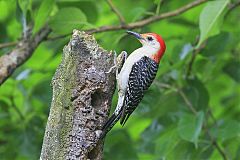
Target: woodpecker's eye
149, 38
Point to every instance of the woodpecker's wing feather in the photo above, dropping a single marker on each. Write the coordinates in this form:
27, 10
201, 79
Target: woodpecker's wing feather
140, 78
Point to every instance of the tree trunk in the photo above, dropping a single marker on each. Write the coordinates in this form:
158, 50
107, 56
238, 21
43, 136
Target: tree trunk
82, 94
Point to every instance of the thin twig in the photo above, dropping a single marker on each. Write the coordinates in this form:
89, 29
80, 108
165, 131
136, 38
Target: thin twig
181, 93
140, 23
214, 142
149, 20
190, 64
116, 11
163, 85
212, 116
29, 45
57, 37
23, 51
187, 101
233, 6
194, 55
7, 44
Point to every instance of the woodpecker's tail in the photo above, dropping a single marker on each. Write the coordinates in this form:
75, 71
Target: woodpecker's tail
115, 116
110, 123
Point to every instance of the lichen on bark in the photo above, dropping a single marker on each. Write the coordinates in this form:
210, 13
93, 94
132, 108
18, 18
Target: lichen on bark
82, 93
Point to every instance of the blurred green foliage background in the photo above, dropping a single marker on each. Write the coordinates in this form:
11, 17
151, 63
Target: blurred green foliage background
184, 113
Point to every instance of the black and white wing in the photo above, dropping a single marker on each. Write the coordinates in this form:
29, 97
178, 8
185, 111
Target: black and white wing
141, 77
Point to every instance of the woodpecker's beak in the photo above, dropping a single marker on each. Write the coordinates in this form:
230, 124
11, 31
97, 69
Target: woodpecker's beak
137, 35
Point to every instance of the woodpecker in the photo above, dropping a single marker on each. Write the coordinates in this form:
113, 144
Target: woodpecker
135, 76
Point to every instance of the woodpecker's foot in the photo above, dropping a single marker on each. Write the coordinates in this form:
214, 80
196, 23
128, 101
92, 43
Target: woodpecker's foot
115, 63
120, 61
111, 69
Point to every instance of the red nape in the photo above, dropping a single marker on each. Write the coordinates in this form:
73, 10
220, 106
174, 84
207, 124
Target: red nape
157, 57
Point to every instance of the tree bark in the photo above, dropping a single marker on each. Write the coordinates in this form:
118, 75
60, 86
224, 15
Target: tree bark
82, 93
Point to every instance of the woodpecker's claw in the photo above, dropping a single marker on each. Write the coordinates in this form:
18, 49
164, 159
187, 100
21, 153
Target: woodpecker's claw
118, 62
121, 60
115, 63
111, 69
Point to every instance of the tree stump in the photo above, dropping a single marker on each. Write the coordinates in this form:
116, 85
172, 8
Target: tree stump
82, 94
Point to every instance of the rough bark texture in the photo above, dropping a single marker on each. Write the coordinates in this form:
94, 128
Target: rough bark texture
82, 94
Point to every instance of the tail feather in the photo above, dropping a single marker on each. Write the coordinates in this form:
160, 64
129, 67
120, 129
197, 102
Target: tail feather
115, 116
124, 119
109, 124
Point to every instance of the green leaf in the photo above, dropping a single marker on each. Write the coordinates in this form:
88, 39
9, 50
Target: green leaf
228, 129
210, 19
137, 13
88, 7
197, 93
164, 144
213, 48
42, 14
189, 127
68, 19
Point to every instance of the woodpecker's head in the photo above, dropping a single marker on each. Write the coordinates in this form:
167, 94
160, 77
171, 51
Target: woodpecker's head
152, 40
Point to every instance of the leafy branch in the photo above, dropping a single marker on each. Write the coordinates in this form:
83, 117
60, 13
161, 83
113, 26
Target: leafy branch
8, 44
21, 53
116, 11
149, 20
141, 23
194, 111
25, 46
202, 41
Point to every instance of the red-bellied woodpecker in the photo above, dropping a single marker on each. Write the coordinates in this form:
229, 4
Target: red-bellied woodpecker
135, 77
